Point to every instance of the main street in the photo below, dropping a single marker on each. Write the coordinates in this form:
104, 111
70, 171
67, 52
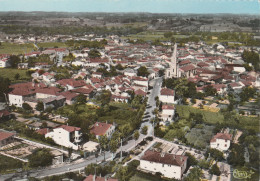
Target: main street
82, 163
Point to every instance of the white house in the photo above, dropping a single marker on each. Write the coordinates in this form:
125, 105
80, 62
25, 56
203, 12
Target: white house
140, 81
169, 165
4, 63
221, 141
167, 112
67, 136
167, 96
102, 129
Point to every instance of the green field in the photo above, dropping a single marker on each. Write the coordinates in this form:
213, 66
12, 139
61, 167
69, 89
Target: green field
52, 45
213, 118
10, 73
210, 117
16, 49
151, 36
140, 176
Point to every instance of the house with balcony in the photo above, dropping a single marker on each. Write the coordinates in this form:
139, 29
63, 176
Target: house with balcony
68, 136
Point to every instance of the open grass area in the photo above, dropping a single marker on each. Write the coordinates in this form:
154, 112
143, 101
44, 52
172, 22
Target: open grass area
140, 176
210, 117
10, 73
249, 123
16, 49
8, 165
52, 45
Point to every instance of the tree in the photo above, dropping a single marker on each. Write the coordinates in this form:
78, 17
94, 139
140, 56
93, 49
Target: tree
81, 99
14, 60
123, 173
17, 76
103, 141
142, 71
210, 91
40, 157
216, 154
236, 157
191, 160
4, 88
136, 135
70, 150
215, 170
144, 130
40, 106
113, 144
194, 175
27, 107
104, 97
94, 53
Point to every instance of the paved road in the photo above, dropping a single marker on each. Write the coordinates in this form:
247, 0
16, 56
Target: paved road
82, 163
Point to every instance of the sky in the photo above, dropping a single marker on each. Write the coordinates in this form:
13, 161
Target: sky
152, 6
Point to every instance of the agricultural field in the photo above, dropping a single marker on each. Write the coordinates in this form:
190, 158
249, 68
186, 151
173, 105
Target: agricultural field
16, 49
10, 73
151, 36
52, 45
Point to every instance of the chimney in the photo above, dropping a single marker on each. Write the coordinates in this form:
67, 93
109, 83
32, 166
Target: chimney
94, 177
174, 157
105, 178
162, 154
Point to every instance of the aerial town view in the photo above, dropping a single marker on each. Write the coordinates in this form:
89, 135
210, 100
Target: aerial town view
129, 90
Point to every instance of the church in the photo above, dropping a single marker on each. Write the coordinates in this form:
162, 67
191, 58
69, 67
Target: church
177, 70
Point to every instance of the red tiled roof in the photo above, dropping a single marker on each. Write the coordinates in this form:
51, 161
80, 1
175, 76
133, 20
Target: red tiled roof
99, 128
223, 136
90, 178
140, 92
72, 82
188, 67
165, 158
69, 95
69, 128
83, 90
168, 107
42, 131
184, 62
168, 92
5, 135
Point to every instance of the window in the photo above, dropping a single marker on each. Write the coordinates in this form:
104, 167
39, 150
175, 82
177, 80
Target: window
225, 145
225, 140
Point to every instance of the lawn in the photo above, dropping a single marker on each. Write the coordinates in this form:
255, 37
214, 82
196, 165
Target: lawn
249, 123
10, 73
52, 45
140, 176
13, 48
210, 117
8, 164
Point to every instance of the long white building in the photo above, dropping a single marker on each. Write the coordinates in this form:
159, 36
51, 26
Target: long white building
169, 165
